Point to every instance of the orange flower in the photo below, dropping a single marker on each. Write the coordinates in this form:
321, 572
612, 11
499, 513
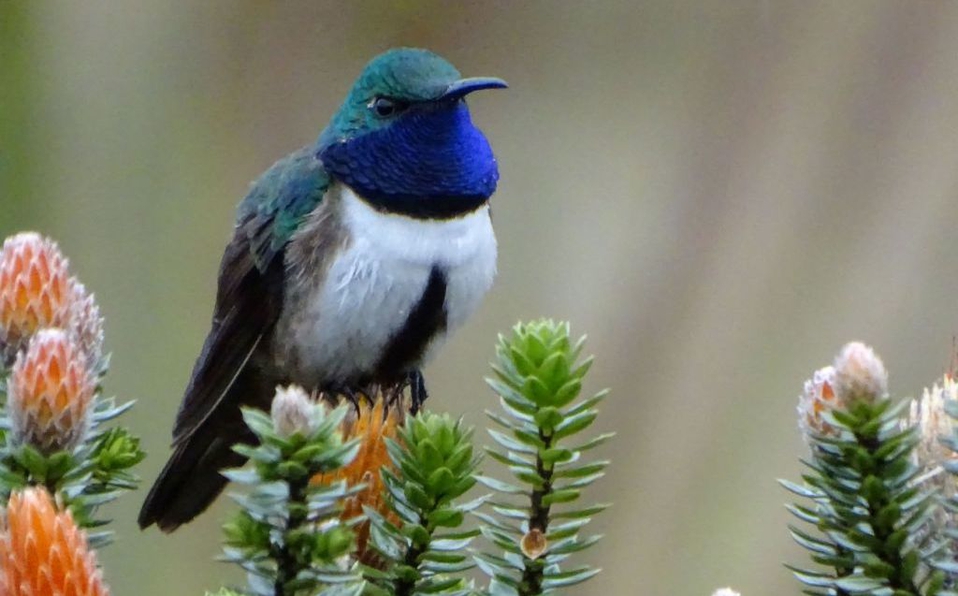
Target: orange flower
373, 424
35, 289
50, 392
42, 552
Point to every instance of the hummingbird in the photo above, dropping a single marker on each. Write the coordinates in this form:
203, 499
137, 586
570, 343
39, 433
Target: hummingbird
352, 259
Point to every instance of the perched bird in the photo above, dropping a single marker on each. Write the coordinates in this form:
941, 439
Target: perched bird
352, 259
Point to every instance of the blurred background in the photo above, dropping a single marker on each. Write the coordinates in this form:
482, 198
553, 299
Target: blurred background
719, 193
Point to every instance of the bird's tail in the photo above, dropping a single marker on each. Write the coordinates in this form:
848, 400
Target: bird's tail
190, 481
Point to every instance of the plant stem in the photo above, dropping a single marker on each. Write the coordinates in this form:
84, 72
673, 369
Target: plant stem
406, 586
531, 583
843, 572
287, 561
892, 556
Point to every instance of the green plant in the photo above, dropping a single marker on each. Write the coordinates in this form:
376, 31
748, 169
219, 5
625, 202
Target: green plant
287, 534
862, 488
293, 534
536, 518
433, 466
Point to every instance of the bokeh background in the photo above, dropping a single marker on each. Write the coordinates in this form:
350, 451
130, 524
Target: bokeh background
719, 193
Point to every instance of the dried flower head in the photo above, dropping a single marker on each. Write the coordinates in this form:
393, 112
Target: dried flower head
293, 412
927, 415
43, 552
373, 424
816, 399
725, 592
50, 392
35, 290
860, 374
533, 543
86, 324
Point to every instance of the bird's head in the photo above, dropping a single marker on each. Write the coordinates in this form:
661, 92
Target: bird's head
404, 141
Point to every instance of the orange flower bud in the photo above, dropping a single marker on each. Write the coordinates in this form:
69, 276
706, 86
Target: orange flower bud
35, 289
373, 424
42, 551
50, 392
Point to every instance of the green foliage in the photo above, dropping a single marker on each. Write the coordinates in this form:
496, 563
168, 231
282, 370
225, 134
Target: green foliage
94, 473
946, 558
287, 535
423, 554
536, 518
866, 505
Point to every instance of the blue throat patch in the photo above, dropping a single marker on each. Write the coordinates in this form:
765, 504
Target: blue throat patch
430, 163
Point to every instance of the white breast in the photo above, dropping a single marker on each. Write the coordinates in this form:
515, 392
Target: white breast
374, 284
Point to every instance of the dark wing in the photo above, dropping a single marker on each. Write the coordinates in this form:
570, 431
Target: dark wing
250, 293
226, 375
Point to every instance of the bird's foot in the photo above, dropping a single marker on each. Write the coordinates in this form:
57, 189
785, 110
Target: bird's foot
351, 393
417, 390
391, 392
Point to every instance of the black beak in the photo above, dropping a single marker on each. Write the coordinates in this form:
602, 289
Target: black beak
463, 87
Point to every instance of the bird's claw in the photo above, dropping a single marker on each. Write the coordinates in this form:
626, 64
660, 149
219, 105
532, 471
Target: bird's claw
350, 393
417, 390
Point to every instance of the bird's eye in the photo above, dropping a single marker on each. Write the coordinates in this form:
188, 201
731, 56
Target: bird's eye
386, 107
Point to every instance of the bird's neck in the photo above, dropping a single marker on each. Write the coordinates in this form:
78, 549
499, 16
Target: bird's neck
432, 163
